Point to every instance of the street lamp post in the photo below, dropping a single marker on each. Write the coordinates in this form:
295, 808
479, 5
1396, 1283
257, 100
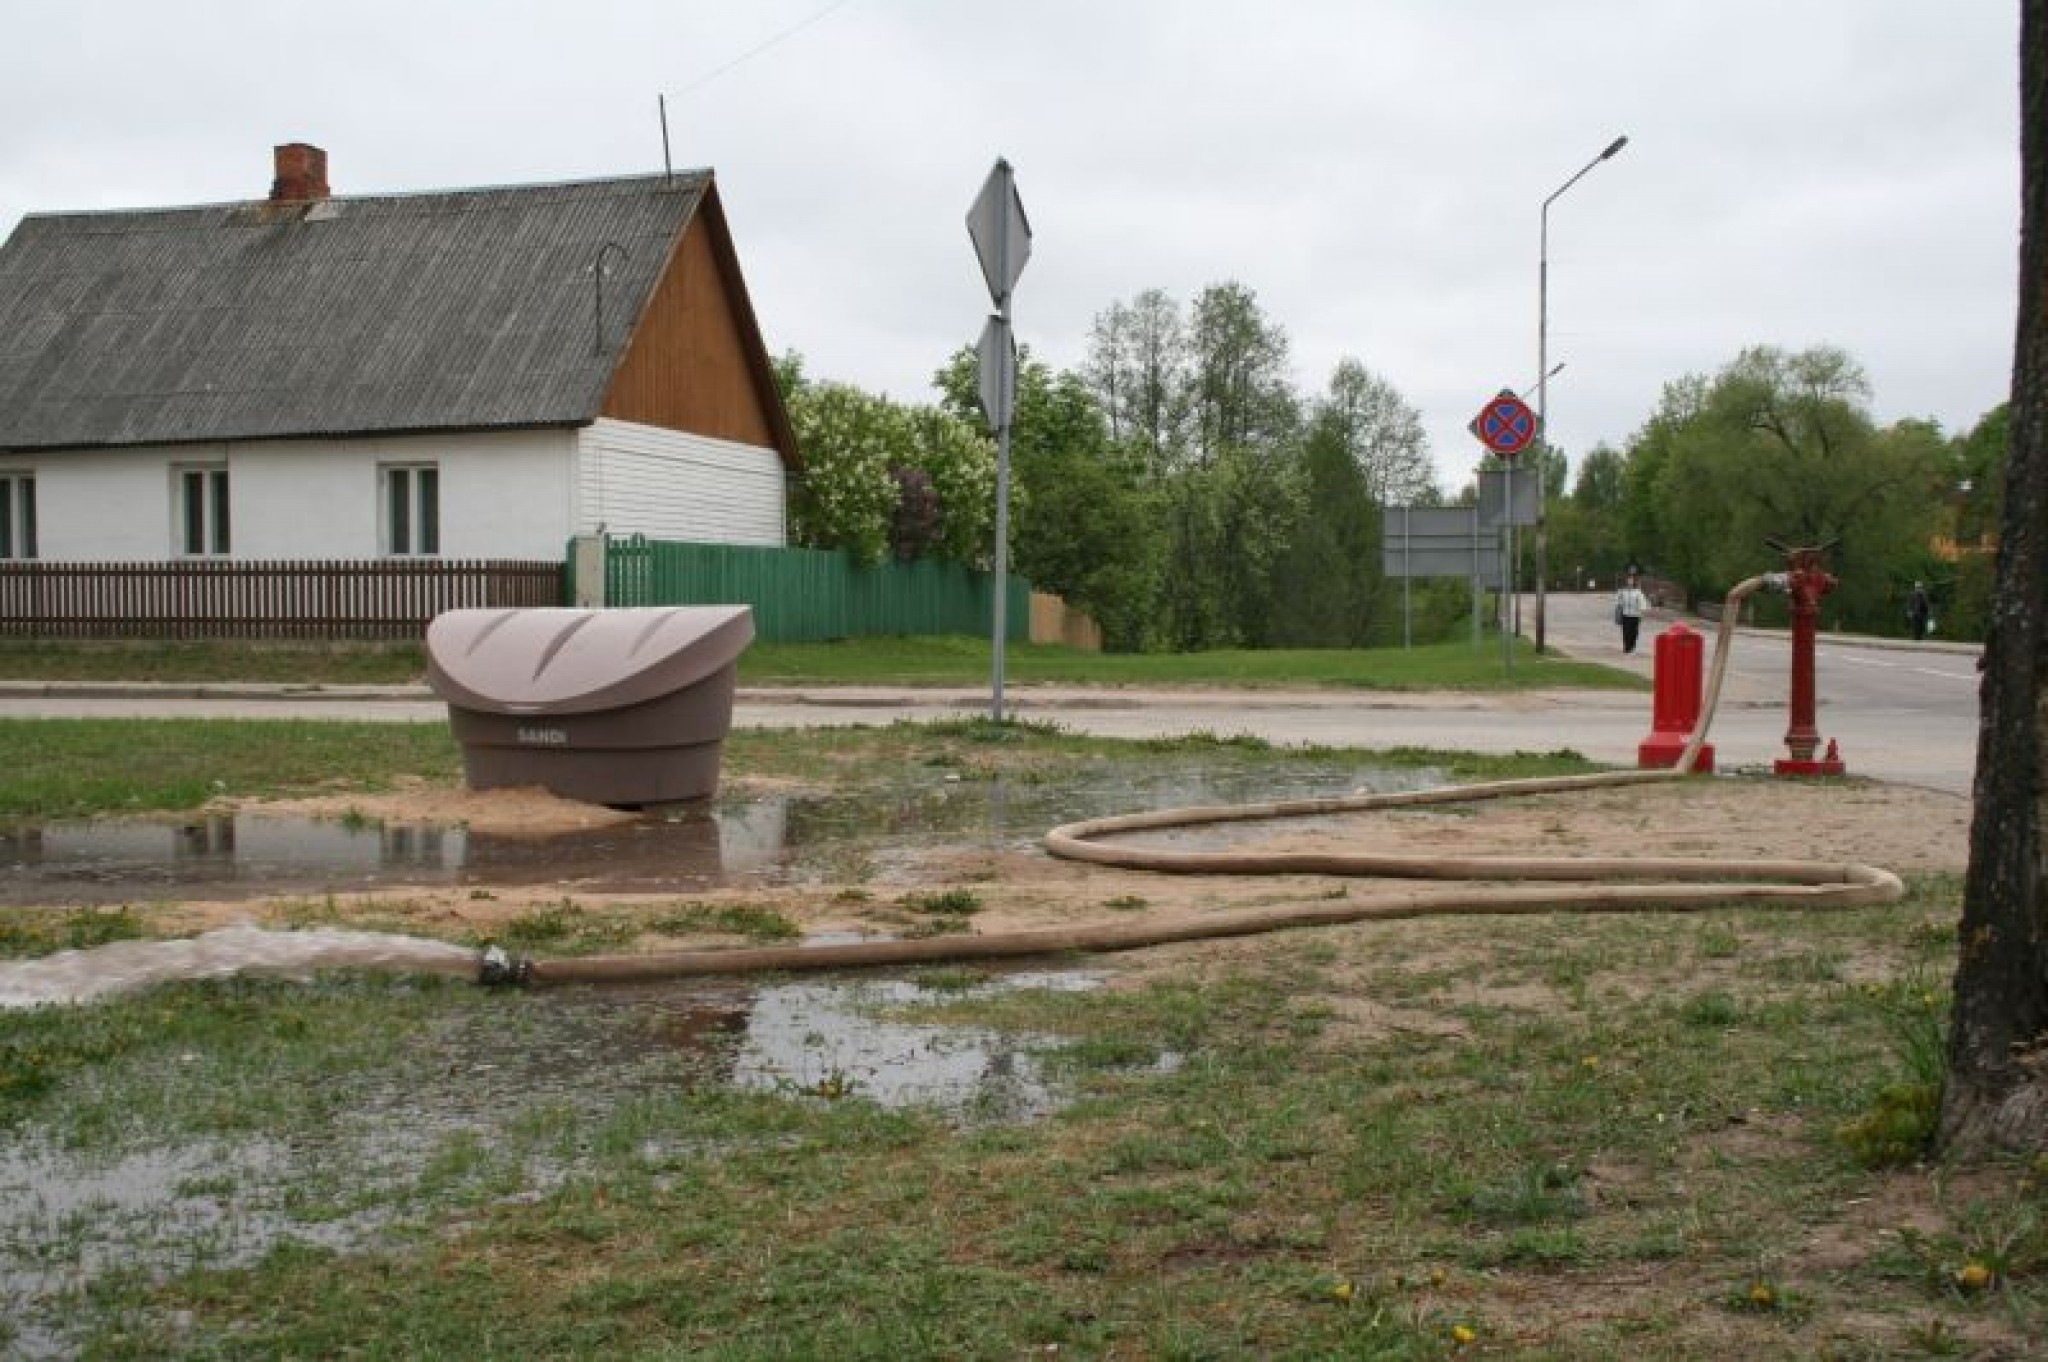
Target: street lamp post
1543, 376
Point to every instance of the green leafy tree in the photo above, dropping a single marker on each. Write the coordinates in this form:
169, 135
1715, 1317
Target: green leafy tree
1137, 368
1329, 574
1648, 536
1230, 520
1084, 520
1977, 473
1240, 398
1380, 432
1599, 484
1975, 498
1781, 446
1585, 527
1364, 450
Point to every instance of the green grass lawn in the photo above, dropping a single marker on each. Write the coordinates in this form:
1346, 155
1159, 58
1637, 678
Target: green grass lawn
948, 661
1622, 1138
1661, 1136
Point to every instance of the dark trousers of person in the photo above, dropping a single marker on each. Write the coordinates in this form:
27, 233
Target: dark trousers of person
1631, 625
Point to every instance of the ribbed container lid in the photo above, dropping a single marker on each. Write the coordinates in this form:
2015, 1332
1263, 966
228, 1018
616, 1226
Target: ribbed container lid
571, 661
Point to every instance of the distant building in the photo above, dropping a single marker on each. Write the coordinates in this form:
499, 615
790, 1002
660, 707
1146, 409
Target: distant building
477, 373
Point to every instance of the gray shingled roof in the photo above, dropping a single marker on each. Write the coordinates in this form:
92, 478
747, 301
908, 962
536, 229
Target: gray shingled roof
471, 309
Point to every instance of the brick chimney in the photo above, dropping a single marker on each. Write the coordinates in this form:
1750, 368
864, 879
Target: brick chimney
301, 173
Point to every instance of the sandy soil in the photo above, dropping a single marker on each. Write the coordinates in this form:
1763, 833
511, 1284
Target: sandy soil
1903, 829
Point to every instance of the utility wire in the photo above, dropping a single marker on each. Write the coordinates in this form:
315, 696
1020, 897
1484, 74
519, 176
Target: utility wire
761, 47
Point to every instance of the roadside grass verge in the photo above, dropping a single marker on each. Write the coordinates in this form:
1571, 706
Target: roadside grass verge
956, 661
70, 768
1556, 1136
894, 661
213, 660
73, 768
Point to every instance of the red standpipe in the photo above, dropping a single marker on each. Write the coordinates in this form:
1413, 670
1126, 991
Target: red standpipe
1806, 583
1675, 703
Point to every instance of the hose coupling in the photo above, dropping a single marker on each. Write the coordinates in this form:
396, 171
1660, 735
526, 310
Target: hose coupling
497, 969
1778, 581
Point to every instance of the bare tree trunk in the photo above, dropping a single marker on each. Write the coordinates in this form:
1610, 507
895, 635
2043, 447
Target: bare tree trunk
1997, 1091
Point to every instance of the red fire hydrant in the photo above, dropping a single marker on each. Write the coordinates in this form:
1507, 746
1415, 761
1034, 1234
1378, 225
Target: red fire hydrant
1675, 705
1806, 583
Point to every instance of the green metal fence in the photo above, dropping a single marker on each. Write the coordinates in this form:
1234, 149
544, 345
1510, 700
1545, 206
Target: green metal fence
810, 595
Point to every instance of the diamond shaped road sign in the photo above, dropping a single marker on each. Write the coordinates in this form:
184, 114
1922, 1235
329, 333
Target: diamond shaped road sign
997, 354
1001, 232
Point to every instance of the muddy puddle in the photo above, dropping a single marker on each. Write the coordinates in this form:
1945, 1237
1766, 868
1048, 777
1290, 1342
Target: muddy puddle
507, 1099
779, 838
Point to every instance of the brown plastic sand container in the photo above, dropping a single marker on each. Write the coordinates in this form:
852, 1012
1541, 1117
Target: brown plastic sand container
624, 707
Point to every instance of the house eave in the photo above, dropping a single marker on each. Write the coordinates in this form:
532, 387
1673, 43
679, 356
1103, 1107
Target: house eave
294, 437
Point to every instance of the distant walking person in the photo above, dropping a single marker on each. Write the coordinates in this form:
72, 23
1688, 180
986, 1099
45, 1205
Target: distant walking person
1629, 605
1920, 612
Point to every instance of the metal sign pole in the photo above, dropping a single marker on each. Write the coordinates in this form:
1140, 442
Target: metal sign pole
1510, 589
1407, 580
1002, 601
1002, 239
1476, 585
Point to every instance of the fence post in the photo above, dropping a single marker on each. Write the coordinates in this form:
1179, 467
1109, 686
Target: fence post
586, 564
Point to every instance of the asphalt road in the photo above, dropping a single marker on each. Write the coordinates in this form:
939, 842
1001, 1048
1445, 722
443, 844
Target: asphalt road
1899, 712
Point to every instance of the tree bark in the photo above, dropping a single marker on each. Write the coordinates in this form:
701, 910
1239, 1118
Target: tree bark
1997, 1091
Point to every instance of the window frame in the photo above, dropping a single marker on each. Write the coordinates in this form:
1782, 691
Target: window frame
409, 509
202, 524
18, 515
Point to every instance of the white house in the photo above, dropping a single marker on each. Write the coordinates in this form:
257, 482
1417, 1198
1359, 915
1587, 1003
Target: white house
478, 373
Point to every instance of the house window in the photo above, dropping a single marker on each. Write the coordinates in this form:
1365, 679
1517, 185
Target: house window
412, 510
17, 515
203, 526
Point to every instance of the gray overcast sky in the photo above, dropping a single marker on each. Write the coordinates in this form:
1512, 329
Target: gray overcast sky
1798, 172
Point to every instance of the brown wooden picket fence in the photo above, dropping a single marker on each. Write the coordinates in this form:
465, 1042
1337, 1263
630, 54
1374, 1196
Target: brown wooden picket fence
370, 599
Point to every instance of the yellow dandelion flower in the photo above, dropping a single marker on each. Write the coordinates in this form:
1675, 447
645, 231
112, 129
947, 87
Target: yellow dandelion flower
1464, 1335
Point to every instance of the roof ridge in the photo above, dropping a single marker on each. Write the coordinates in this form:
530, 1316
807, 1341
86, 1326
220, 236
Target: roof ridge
691, 175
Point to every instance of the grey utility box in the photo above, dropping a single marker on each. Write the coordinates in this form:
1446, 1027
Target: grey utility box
625, 707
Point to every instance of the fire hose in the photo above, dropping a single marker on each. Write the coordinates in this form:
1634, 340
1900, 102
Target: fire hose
1479, 884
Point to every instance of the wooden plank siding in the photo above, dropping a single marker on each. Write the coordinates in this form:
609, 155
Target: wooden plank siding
391, 599
692, 365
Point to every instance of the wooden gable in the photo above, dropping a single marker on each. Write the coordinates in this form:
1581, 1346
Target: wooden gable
696, 361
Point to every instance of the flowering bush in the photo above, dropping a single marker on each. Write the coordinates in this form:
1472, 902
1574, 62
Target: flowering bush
961, 463
868, 459
915, 526
848, 493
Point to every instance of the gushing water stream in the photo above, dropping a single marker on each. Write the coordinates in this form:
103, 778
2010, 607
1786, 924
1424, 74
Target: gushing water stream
84, 975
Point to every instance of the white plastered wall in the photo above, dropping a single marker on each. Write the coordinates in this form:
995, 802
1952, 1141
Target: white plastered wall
502, 495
